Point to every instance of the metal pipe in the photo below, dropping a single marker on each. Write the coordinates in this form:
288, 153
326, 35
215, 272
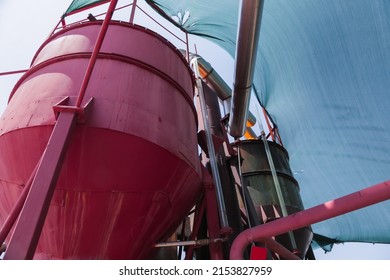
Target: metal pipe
95, 52
199, 242
199, 212
278, 248
227, 181
278, 189
187, 47
245, 59
215, 81
253, 220
210, 146
223, 91
13, 72
212, 78
330, 209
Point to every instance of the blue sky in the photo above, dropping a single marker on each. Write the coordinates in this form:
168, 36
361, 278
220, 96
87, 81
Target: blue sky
25, 24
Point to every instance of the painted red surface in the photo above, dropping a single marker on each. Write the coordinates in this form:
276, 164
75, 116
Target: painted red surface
131, 172
319, 213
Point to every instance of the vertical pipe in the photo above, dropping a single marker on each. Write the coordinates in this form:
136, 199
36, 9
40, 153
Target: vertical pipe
245, 59
225, 172
245, 194
13, 72
10, 221
210, 146
200, 210
278, 189
274, 176
95, 52
133, 8
216, 252
330, 209
187, 47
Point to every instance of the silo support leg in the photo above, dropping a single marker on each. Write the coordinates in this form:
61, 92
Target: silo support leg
208, 207
13, 216
200, 210
28, 229
216, 250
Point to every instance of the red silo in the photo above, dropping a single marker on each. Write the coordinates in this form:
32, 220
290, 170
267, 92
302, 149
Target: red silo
131, 172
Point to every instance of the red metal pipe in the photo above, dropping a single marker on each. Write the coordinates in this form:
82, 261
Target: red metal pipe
61, 21
96, 51
13, 72
133, 8
187, 48
10, 221
330, 209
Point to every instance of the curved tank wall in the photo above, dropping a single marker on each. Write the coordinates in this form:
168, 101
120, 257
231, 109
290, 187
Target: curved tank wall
131, 172
258, 178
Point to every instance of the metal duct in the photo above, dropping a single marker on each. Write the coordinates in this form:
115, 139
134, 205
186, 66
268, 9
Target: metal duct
223, 91
246, 50
213, 79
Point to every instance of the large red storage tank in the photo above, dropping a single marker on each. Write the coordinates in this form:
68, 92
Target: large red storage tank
131, 172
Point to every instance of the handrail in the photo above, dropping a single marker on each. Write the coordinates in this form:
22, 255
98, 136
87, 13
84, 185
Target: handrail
13, 72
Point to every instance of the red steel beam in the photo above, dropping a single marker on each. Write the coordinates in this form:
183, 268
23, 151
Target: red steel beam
29, 226
330, 209
199, 212
11, 219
